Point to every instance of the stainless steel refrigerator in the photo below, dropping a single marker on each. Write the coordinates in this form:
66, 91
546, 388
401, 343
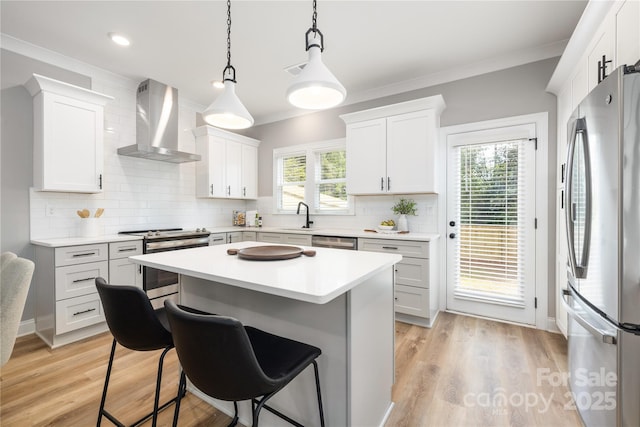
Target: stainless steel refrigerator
602, 205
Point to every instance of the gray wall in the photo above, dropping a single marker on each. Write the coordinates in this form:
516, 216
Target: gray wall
16, 155
511, 92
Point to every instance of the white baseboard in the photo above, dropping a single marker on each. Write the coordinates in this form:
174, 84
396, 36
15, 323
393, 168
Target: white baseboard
552, 326
27, 327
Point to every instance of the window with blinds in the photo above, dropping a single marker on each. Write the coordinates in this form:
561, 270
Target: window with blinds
494, 214
292, 177
315, 174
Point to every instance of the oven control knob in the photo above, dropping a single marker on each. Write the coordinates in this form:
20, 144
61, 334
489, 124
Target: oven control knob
157, 233
150, 233
204, 229
197, 230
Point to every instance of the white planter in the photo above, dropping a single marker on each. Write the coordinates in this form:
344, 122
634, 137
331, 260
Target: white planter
402, 223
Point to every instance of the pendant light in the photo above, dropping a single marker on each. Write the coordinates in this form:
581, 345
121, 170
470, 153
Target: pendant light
315, 88
227, 111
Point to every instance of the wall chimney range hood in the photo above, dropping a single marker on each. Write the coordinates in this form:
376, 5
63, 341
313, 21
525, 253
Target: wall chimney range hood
157, 125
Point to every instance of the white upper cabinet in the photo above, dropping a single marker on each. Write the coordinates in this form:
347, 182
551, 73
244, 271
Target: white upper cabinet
392, 149
68, 136
229, 165
601, 59
628, 33
367, 157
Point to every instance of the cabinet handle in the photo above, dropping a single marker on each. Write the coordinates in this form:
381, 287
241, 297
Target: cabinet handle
84, 311
228, 190
388, 184
390, 247
602, 68
81, 255
84, 280
100, 181
139, 269
244, 191
381, 183
126, 249
212, 189
562, 174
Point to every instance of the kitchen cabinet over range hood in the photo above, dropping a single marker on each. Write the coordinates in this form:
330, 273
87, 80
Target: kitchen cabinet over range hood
157, 125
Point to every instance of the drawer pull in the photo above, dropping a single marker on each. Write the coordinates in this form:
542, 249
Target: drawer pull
81, 255
127, 249
390, 247
84, 280
89, 310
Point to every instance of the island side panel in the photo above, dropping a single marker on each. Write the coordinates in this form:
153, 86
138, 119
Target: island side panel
371, 349
321, 325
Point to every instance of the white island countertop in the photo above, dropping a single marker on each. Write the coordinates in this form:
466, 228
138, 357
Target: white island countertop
318, 279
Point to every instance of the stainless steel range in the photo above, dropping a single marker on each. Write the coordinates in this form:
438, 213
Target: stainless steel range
161, 285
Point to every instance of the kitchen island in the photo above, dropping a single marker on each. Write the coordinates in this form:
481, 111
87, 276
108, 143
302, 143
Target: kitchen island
340, 301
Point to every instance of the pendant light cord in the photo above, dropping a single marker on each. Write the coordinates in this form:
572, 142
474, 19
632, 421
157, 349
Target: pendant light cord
228, 33
314, 18
314, 29
229, 67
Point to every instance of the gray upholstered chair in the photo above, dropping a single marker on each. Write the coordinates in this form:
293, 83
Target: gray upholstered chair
15, 279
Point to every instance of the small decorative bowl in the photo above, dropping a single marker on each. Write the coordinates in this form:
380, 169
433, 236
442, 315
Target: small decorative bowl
385, 227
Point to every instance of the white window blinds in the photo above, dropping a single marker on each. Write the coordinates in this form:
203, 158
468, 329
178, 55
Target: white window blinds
495, 216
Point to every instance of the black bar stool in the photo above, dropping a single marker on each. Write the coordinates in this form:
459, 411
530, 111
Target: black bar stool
137, 326
229, 361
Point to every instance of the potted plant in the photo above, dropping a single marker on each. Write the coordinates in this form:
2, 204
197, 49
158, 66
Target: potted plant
403, 208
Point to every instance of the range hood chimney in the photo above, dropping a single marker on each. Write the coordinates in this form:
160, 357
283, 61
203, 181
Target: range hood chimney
157, 125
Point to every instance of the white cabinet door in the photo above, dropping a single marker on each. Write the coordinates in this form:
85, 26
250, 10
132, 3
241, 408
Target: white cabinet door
124, 272
68, 136
234, 237
411, 153
72, 142
367, 157
579, 85
603, 51
233, 163
228, 168
249, 172
628, 33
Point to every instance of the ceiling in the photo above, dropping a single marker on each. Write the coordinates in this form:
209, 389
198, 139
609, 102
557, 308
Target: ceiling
374, 47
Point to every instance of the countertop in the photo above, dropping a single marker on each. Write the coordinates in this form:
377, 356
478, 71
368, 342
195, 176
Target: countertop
317, 279
74, 241
336, 232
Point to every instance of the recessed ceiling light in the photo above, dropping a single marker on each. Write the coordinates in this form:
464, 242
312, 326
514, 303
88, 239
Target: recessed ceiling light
119, 39
217, 84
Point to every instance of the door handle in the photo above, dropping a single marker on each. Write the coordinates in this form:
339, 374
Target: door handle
594, 330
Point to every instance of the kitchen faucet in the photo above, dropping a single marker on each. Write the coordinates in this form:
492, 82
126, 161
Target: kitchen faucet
308, 223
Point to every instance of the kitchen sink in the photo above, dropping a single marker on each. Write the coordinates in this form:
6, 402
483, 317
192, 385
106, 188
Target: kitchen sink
298, 229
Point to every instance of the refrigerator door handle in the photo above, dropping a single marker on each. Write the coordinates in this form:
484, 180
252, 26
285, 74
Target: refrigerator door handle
594, 330
578, 271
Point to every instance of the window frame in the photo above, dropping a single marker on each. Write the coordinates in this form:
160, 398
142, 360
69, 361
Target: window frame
312, 152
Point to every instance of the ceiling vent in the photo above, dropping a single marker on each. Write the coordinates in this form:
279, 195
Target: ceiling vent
294, 70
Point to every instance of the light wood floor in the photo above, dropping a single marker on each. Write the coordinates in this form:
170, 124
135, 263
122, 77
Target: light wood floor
451, 375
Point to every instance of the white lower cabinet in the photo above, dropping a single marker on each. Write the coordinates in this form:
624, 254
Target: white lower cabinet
284, 238
235, 237
68, 306
121, 270
416, 291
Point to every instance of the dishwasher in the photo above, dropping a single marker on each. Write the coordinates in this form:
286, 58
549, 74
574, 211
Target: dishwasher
349, 243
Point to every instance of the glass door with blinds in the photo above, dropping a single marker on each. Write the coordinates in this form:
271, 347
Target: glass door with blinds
491, 223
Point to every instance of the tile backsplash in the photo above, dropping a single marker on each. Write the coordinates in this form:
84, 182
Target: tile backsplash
369, 212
